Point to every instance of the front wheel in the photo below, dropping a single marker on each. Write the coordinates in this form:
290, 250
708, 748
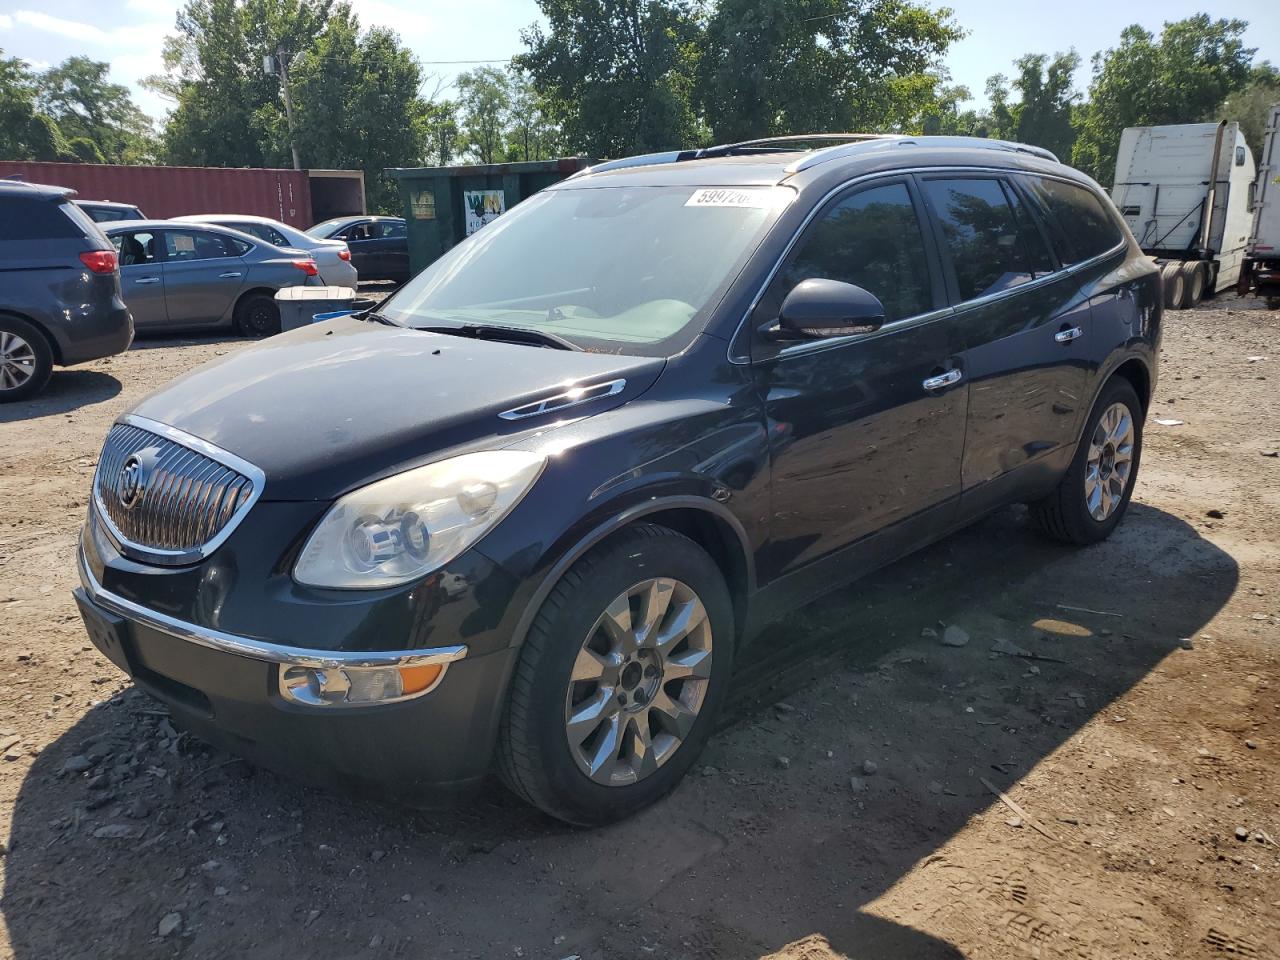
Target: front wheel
620, 678
1094, 493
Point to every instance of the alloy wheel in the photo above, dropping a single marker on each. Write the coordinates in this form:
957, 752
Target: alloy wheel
1110, 462
17, 361
638, 682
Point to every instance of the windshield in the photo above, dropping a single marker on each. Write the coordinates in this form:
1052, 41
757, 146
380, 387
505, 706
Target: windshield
631, 270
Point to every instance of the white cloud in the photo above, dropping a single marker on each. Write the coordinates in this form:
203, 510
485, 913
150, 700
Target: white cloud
136, 35
6, 21
409, 23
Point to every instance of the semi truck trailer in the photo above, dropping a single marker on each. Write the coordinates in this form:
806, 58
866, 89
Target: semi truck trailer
1184, 191
1261, 272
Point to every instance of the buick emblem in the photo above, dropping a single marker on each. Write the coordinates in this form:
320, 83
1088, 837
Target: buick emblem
132, 482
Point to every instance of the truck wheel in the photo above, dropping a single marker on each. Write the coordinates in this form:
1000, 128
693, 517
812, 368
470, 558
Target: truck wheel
619, 679
1094, 493
26, 361
1193, 283
257, 316
1174, 284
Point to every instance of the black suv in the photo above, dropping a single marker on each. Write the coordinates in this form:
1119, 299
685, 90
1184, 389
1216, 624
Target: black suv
527, 514
59, 289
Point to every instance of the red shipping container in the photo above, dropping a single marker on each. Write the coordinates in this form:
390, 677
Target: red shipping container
164, 192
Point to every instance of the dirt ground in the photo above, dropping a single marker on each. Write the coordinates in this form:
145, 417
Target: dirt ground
846, 808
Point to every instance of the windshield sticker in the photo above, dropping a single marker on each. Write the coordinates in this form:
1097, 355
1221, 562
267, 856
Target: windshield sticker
721, 197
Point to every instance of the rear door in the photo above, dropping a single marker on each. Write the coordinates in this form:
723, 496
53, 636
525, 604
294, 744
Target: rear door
203, 273
364, 250
142, 276
1022, 324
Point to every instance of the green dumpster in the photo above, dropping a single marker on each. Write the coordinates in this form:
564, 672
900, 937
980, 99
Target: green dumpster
445, 205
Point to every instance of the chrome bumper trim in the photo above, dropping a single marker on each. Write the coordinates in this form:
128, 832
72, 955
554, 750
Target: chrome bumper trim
259, 649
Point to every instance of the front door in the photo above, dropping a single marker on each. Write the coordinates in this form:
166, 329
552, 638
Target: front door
866, 431
1023, 324
141, 276
203, 272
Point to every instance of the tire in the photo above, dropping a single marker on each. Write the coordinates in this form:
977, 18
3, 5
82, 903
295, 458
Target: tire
26, 360
257, 316
1195, 277
1174, 283
1066, 514
536, 757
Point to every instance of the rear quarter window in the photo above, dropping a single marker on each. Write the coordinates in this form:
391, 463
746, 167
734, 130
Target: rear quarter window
1080, 225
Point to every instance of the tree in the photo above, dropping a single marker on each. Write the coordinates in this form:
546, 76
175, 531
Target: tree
1180, 78
616, 75
98, 117
772, 67
25, 132
440, 123
484, 99
1042, 115
1251, 105
531, 135
357, 105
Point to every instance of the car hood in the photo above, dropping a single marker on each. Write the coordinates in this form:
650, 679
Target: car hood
332, 406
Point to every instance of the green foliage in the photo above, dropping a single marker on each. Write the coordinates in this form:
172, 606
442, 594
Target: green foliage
484, 97
1251, 105
1181, 77
616, 76
773, 67
98, 117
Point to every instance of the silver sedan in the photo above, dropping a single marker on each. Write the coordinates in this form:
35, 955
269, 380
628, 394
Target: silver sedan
332, 257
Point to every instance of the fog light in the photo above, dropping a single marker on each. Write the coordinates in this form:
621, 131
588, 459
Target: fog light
356, 686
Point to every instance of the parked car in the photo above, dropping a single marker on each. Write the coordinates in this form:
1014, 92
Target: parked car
187, 276
108, 211
332, 257
60, 297
530, 513
379, 245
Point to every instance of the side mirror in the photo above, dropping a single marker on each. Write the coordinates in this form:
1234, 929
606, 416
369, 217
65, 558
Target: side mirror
817, 308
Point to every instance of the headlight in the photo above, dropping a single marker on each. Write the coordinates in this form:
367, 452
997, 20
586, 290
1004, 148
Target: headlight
404, 527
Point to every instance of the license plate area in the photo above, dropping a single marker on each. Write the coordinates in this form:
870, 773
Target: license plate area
107, 632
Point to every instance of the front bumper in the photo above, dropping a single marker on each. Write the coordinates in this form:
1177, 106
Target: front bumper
225, 688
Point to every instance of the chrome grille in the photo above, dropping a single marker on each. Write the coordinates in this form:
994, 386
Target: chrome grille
167, 497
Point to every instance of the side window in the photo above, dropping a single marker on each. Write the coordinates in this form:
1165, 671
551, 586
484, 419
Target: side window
361, 231
1081, 226
198, 245
263, 232
138, 247
871, 239
394, 230
35, 218
988, 252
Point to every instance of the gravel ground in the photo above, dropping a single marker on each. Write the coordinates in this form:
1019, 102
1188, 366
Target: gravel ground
848, 807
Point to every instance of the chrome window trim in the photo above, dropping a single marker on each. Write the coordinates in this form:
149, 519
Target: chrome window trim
924, 317
572, 397
806, 347
259, 649
177, 558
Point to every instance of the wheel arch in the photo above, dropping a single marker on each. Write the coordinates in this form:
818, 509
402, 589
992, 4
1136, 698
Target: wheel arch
245, 294
54, 347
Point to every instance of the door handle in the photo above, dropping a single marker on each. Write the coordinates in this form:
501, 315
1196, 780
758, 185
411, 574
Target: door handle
228, 276
942, 380
142, 280
1066, 336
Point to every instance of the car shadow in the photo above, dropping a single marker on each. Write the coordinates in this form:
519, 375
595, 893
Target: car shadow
67, 390
742, 860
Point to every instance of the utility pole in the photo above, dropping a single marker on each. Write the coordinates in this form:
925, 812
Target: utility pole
288, 105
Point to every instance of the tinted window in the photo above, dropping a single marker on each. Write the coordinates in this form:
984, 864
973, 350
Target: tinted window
135, 248
34, 218
263, 232
1082, 227
394, 230
988, 252
108, 214
871, 239
197, 245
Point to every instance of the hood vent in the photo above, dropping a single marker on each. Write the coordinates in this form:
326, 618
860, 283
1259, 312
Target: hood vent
561, 401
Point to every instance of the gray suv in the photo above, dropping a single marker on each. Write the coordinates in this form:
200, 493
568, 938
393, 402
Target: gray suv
60, 297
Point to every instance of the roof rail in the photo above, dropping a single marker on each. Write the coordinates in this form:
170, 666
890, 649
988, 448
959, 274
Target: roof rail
788, 142
903, 140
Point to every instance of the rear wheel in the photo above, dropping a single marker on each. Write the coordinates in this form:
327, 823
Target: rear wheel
1194, 278
620, 678
257, 316
26, 361
1094, 493
1174, 283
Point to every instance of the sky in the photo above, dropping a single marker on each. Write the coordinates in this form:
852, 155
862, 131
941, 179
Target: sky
128, 33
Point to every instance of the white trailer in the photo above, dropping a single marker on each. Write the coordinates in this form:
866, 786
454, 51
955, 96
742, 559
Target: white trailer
1261, 271
1184, 191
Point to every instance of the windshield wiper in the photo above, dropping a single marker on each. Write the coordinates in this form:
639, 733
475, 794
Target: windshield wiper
484, 331
376, 317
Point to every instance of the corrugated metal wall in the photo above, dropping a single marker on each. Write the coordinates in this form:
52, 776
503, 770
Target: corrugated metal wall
164, 192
